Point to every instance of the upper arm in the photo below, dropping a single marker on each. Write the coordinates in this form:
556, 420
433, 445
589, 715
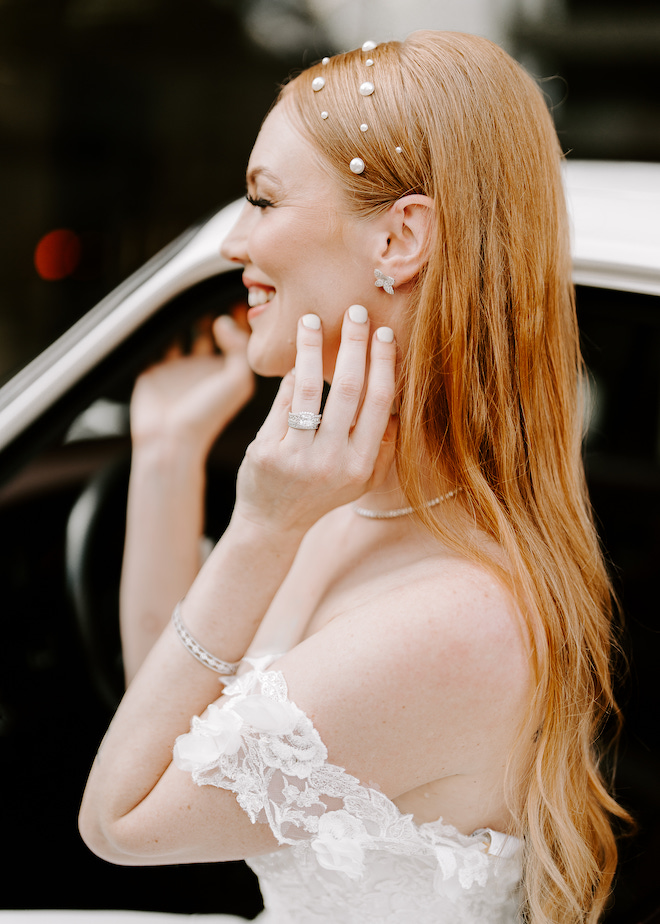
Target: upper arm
406, 689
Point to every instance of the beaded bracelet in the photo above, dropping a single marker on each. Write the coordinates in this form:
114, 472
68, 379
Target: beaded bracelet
198, 651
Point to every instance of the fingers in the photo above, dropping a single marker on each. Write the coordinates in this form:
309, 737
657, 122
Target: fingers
229, 332
239, 314
349, 374
308, 388
375, 413
230, 338
302, 388
174, 350
354, 404
355, 397
275, 424
202, 339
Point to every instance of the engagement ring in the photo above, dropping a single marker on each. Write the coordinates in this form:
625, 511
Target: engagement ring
305, 420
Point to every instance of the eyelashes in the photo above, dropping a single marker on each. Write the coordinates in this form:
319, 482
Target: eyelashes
258, 203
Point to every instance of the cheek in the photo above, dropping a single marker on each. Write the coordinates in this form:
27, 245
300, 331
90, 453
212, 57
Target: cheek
274, 247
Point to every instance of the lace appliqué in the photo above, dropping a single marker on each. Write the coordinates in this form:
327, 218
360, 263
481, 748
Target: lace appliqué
262, 747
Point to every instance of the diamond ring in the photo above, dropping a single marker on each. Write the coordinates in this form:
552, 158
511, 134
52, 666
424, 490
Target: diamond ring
305, 420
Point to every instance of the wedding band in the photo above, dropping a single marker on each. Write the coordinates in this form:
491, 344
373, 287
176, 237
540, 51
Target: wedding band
305, 420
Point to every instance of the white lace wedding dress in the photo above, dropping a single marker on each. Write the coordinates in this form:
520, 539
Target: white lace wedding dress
353, 858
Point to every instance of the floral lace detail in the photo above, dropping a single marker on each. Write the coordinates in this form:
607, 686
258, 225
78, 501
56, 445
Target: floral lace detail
262, 747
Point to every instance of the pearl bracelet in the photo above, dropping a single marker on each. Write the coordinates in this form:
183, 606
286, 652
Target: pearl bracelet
198, 651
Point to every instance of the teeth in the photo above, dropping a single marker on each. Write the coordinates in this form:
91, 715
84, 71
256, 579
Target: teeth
257, 296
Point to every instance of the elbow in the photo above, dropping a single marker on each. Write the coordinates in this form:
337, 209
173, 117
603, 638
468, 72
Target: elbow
127, 840
111, 839
99, 837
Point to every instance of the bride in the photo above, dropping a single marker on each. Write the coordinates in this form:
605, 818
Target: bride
408, 614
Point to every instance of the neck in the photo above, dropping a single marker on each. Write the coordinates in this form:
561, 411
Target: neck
387, 496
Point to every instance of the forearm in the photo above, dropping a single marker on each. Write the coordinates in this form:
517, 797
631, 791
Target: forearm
222, 610
179, 408
165, 520
287, 482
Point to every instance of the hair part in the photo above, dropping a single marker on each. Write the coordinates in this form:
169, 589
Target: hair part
491, 380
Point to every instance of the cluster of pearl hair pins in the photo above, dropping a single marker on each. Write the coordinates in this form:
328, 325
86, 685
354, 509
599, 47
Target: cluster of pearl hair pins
366, 88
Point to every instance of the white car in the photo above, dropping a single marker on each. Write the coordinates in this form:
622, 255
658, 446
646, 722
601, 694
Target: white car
64, 452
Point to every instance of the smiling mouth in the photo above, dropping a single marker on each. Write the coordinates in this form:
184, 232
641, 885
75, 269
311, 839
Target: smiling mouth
257, 296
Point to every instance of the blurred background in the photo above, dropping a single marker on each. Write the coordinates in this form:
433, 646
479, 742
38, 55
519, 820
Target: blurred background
122, 122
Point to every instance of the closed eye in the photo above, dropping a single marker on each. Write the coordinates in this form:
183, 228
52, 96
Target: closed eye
259, 203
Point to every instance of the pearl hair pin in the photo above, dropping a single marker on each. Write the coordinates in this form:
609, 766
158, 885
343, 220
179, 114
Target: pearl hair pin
357, 165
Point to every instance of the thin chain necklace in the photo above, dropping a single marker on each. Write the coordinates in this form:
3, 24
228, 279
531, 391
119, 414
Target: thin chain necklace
402, 511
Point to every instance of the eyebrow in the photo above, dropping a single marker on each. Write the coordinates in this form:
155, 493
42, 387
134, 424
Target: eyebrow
256, 172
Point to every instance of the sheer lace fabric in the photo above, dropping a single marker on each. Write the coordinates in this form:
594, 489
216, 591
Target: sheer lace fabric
352, 857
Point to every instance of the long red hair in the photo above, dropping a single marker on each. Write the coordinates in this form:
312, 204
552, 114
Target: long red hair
490, 394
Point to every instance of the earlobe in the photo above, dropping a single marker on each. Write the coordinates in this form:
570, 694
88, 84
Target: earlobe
408, 225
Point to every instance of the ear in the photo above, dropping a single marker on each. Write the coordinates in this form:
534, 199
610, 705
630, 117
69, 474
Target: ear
404, 237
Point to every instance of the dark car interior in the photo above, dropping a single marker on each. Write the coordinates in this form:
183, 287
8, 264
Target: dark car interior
62, 515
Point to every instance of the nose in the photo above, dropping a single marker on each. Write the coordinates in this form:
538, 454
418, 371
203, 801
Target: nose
234, 246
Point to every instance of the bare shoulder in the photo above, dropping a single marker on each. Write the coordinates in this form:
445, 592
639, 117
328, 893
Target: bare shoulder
455, 598
414, 604
427, 675
444, 607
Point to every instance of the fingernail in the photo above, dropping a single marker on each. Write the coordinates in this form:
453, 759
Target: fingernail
311, 321
385, 334
358, 313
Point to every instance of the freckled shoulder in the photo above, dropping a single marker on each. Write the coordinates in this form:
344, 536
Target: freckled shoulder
428, 678
444, 607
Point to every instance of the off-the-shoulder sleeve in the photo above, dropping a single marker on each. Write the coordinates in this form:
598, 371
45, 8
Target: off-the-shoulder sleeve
263, 748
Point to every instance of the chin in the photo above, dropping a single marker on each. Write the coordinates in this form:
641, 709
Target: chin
270, 362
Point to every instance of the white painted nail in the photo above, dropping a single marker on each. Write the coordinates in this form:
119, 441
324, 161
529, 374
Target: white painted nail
311, 321
385, 334
358, 313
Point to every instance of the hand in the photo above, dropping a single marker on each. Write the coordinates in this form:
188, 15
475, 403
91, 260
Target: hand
193, 397
290, 478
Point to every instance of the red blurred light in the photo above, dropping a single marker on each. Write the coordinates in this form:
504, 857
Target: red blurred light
57, 254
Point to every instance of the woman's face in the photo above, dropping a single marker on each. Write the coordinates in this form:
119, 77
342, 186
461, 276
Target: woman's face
302, 250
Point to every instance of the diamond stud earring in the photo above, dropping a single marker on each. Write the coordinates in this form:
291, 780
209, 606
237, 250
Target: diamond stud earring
385, 282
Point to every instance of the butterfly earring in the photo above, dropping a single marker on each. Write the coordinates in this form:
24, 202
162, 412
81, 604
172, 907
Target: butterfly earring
385, 282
